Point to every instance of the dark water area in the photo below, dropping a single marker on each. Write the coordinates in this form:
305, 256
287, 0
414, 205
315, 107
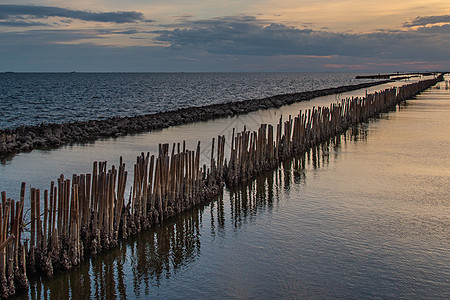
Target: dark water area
35, 98
364, 216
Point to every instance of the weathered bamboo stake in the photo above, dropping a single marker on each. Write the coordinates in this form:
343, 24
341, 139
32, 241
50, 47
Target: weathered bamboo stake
101, 188
151, 183
87, 206
109, 205
3, 283
192, 177
66, 207
145, 189
2, 220
113, 205
173, 180
50, 213
60, 204
179, 181
156, 187
186, 177
179, 173
122, 179
55, 237
177, 177
77, 225
95, 201
94, 195
81, 199
102, 206
4, 251
33, 231
45, 219
166, 179
38, 222
5, 243
20, 251
163, 178
14, 231
159, 188
9, 257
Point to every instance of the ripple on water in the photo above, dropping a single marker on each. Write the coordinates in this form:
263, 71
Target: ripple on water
104, 95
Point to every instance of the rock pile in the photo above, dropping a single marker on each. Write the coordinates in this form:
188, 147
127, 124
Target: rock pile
45, 136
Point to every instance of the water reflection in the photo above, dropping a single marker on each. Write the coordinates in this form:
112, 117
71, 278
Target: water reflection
145, 260
157, 255
264, 192
323, 255
137, 265
246, 201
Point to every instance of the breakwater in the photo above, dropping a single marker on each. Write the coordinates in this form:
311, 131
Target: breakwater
45, 136
88, 212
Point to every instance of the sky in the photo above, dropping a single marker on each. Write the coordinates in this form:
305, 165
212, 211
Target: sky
224, 36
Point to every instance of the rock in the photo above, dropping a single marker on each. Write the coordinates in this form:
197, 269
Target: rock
26, 138
25, 146
53, 140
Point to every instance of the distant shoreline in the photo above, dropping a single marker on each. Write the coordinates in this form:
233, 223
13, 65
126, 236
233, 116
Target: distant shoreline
47, 136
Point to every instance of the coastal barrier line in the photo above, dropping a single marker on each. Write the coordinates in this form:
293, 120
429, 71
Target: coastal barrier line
88, 213
46, 136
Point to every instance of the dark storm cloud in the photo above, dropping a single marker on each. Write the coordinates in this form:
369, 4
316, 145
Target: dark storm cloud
423, 21
11, 12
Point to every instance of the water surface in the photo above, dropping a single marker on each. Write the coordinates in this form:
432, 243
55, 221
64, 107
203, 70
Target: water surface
366, 216
35, 98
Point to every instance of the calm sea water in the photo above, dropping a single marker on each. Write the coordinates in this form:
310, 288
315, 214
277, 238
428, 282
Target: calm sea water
364, 217
33, 98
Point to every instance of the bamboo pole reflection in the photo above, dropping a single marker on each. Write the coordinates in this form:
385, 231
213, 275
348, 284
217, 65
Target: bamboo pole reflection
145, 260
263, 192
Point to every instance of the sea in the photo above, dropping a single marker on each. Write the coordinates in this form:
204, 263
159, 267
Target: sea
363, 216
35, 98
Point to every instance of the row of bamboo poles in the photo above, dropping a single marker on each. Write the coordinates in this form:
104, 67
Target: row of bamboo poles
255, 152
88, 213
446, 86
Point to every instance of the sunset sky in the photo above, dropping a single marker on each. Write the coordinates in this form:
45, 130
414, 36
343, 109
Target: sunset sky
225, 35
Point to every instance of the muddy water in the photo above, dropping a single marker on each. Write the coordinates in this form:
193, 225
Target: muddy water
365, 216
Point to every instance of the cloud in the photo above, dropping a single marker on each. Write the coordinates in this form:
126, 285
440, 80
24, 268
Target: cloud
45, 37
19, 23
64, 36
245, 35
230, 43
126, 32
12, 12
444, 29
423, 21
